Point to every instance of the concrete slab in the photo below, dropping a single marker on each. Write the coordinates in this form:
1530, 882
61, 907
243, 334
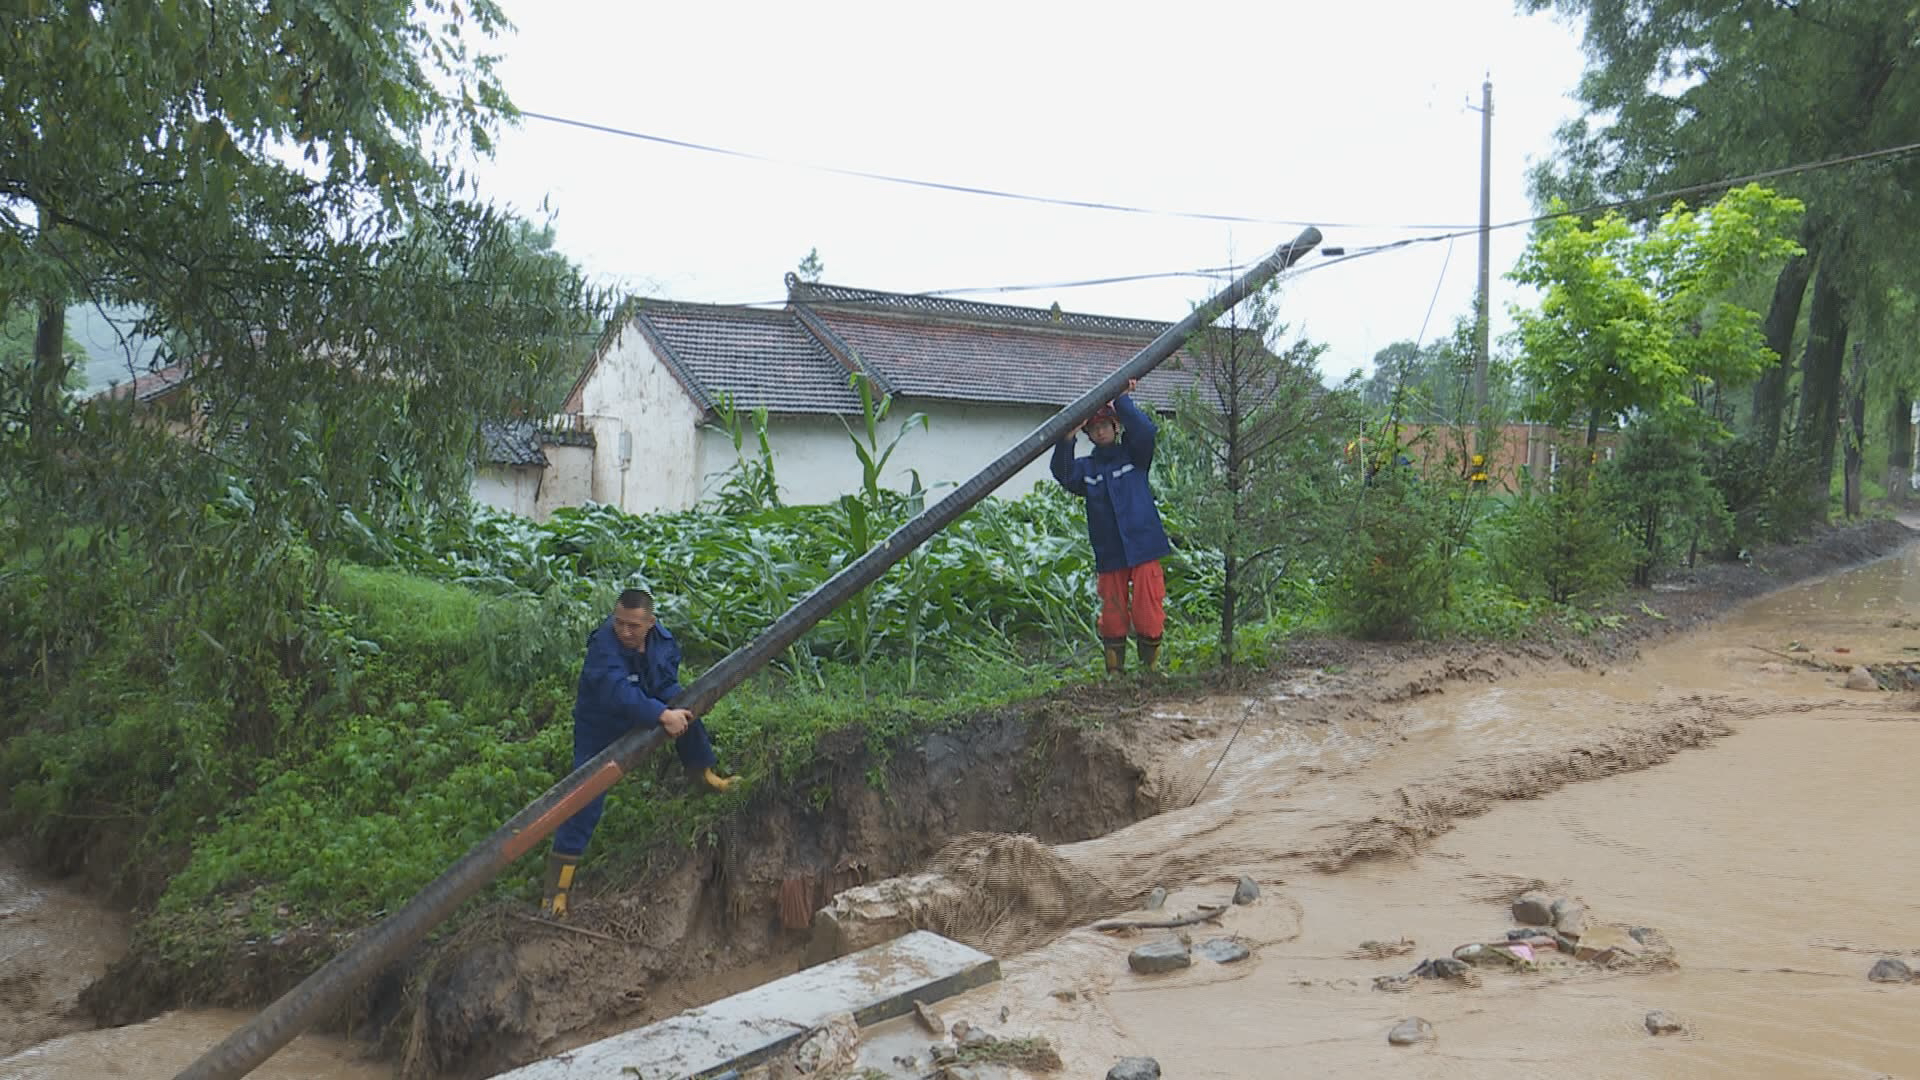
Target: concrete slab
741, 1031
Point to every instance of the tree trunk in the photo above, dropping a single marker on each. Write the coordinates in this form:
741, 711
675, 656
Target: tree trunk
48, 379
1229, 603
1783, 314
1856, 430
1900, 445
1820, 372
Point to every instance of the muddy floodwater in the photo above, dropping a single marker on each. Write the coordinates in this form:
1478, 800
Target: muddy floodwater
1721, 796
1744, 804
54, 941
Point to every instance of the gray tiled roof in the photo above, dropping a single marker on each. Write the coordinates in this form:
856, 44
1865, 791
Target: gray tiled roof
797, 360
758, 358
997, 362
510, 442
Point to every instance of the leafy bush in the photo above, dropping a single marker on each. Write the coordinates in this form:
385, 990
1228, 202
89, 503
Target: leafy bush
1560, 545
1657, 482
1771, 497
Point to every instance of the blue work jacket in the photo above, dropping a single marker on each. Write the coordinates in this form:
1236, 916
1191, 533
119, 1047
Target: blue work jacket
1123, 521
620, 688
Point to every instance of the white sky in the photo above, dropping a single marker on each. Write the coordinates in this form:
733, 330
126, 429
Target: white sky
1348, 112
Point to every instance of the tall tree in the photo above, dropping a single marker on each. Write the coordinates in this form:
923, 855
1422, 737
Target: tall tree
1686, 92
281, 190
1635, 322
1255, 453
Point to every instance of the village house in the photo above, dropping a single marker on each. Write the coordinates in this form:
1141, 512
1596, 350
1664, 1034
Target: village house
639, 427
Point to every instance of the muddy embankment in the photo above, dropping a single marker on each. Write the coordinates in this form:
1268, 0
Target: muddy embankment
695, 925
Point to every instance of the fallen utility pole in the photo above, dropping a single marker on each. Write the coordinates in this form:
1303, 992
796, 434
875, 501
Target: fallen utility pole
325, 990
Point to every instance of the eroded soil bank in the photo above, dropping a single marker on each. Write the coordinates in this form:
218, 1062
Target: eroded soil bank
1340, 748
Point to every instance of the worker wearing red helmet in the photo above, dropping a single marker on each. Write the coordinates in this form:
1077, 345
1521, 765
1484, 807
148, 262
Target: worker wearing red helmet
1123, 524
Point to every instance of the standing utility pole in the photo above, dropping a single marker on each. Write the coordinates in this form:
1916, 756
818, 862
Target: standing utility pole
1484, 315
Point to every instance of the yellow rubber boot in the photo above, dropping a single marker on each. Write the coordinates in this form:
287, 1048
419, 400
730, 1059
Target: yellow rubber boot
560, 870
715, 782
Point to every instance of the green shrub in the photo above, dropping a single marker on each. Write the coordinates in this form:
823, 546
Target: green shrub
1393, 575
1562, 545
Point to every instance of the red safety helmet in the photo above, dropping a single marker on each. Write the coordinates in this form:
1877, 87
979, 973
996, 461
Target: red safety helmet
1104, 412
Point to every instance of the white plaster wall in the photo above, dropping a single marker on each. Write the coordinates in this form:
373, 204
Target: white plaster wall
568, 480
814, 461
631, 391
507, 487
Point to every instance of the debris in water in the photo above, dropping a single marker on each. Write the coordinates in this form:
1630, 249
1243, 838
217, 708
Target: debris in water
928, 1018
1247, 891
1161, 956
1380, 950
1157, 899
1224, 951
1410, 1031
1031, 1053
1861, 679
1661, 1022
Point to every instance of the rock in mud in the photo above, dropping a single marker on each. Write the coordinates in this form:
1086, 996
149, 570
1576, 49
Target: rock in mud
1410, 1031
928, 1018
868, 915
1247, 891
1157, 899
1160, 957
1223, 950
1861, 679
1135, 1068
1443, 967
1533, 909
1570, 917
1662, 1022
1889, 969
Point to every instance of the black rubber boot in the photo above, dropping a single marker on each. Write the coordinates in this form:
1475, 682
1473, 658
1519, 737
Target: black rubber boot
560, 870
1149, 651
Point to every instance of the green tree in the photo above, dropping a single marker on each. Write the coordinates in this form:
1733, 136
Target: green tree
811, 267
1257, 437
1687, 92
1433, 383
1631, 322
280, 191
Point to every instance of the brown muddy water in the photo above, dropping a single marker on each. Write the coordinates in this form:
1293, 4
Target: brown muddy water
1745, 805
53, 941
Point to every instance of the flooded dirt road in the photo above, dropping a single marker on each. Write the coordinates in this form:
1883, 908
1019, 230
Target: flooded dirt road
1748, 807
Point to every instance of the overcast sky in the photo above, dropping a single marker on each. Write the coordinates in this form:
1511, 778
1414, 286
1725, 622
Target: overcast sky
1349, 115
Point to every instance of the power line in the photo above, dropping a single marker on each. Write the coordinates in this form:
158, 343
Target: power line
962, 189
1359, 253
1617, 204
